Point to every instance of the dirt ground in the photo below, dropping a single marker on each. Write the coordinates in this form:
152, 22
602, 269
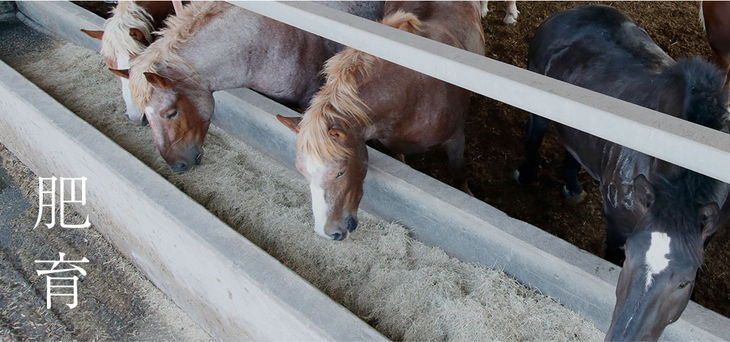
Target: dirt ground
495, 133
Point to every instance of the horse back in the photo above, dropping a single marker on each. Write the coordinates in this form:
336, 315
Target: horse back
601, 49
428, 111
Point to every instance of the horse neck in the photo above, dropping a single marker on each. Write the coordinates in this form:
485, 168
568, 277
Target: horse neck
219, 73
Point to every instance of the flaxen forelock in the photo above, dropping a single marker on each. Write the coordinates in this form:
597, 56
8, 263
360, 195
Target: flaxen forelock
117, 40
164, 50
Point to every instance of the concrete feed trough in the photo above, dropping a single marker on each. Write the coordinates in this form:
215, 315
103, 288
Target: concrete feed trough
262, 289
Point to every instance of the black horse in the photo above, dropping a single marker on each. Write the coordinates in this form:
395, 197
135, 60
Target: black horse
659, 216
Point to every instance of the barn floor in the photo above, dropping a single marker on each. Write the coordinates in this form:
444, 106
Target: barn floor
405, 289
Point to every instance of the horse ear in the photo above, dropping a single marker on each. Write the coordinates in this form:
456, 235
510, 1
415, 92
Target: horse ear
290, 122
120, 72
643, 193
93, 34
157, 80
337, 134
137, 35
709, 216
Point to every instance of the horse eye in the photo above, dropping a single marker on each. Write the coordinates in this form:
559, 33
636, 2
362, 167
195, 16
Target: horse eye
171, 115
684, 284
339, 174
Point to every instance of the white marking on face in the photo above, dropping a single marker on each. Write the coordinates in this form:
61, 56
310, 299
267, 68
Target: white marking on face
656, 256
316, 172
132, 110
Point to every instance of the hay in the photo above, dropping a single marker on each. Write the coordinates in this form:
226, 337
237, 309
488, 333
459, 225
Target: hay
403, 288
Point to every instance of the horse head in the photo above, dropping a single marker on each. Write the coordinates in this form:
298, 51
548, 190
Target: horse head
663, 254
179, 110
335, 177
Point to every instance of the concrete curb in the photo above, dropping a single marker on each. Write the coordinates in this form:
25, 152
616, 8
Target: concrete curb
225, 283
463, 226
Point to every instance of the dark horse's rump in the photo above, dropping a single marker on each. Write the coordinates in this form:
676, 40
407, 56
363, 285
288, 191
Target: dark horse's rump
659, 216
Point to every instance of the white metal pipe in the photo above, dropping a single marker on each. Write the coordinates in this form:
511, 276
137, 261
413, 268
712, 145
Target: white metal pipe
675, 140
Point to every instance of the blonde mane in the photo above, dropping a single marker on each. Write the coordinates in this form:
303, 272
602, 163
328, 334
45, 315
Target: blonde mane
164, 50
338, 99
116, 40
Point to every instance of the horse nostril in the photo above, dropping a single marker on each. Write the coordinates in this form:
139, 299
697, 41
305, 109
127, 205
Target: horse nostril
351, 223
180, 167
198, 158
144, 120
338, 236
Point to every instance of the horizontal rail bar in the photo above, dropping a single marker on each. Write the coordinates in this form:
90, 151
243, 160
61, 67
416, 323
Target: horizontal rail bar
689, 145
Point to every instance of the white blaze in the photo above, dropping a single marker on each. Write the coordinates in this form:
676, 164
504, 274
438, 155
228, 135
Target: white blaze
656, 255
319, 207
132, 110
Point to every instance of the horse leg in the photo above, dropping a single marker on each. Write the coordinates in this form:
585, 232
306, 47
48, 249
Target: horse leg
536, 128
512, 13
454, 148
614, 246
572, 189
483, 8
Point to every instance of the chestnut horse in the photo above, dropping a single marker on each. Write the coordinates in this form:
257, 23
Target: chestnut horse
369, 99
715, 18
213, 46
659, 216
126, 34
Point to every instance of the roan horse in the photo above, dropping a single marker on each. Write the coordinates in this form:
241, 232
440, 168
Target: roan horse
212, 46
369, 99
715, 19
126, 34
661, 215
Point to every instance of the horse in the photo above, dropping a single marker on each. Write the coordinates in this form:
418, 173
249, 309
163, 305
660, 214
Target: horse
715, 19
126, 34
659, 216
365, 98
213, 46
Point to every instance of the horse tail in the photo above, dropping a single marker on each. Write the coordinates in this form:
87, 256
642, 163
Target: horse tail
403, 21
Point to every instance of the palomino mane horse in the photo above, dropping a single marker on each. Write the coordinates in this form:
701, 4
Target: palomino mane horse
659, 216
126, 34
715, 19
213, 46
366, 99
